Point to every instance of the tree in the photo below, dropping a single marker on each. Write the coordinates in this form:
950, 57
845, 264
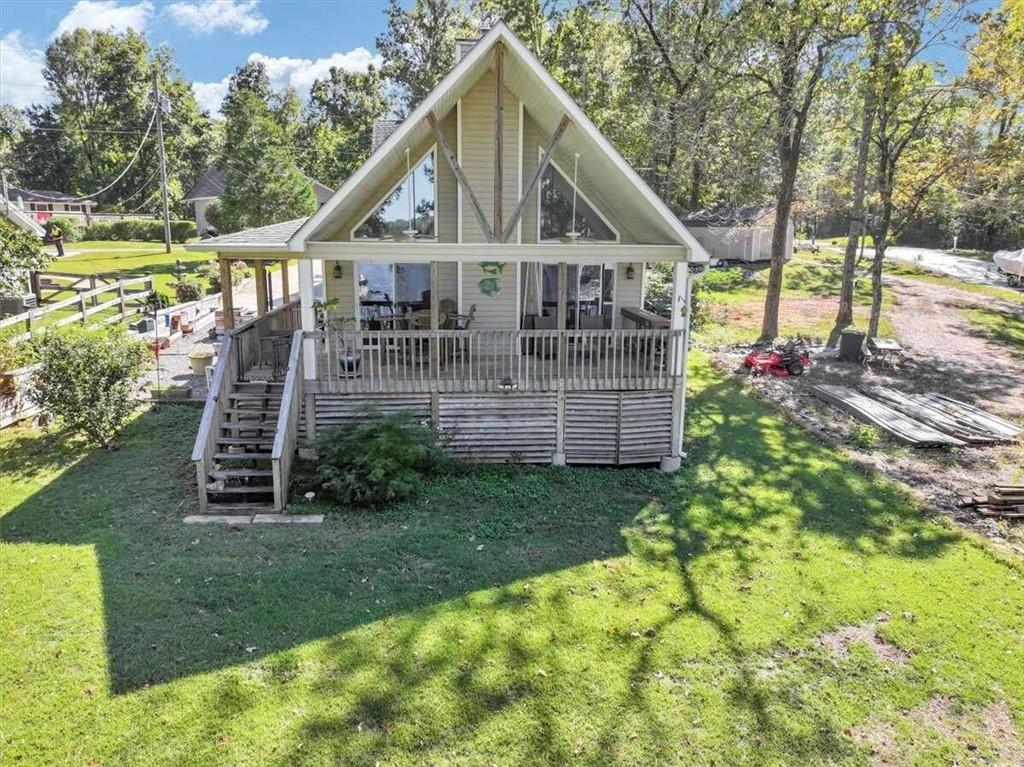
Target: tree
418, 46
101, 89
789, 47
86, 378
337, 135
21, 252
263, 184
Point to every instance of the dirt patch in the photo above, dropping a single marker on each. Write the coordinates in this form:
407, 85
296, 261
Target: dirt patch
942, 354
965, 735
839, 641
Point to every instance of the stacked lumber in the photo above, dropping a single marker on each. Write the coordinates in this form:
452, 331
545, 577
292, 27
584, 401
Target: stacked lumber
1005, 501
966, 423
920, 419
903, 427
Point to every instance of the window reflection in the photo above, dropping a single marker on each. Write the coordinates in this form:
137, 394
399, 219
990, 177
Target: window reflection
408, 212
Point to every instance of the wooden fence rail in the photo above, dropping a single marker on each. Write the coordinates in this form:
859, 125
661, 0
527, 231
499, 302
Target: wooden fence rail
87, 303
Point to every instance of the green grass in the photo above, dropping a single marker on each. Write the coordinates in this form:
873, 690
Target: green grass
738, 305
998, 326
508, 616
903, 269
125, 259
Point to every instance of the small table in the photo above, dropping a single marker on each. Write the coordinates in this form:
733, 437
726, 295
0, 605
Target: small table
886, 350
644, 319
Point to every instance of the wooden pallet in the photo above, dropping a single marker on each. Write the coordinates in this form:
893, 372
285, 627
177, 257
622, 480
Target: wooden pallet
1006, 501
948, 416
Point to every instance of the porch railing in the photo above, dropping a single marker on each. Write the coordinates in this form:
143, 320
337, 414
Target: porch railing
383, 361
248, 338
224, 376
287, 424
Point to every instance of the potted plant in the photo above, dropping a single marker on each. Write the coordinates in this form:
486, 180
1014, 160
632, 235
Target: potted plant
200, 358
348, 358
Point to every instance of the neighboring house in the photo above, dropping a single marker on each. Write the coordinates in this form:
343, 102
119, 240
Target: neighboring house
41, 204
487, 267
210, 186
20, 218
741, 235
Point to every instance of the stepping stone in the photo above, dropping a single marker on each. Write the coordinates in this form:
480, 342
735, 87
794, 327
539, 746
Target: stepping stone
217, 519
288, 519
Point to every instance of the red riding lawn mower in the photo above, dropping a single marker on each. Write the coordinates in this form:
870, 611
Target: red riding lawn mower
791, 359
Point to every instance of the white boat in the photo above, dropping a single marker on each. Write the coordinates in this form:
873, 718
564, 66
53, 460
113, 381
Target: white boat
1011, 263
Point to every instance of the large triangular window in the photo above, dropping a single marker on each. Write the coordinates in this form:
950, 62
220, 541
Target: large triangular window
408, 212
556, 211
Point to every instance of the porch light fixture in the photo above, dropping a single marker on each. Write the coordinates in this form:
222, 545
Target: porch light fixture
337, 270
630, 272
507, 384
411, 231
572, 234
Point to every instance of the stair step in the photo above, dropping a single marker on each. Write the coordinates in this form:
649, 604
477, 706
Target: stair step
236, 490
250, 411
245, 441
218, 474
250, 425
242, 456
253, 386
246, 396
212, 507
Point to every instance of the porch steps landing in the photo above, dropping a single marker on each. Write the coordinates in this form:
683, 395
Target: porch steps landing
240, 487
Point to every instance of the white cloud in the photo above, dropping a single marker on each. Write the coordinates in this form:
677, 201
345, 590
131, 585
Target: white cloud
21, 72
210, 95
287, 72
242, 17
106, 14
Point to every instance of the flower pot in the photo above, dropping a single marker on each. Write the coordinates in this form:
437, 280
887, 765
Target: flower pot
199, 364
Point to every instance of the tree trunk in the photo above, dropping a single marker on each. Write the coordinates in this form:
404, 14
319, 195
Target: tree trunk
783, 207
844, 317
876, 284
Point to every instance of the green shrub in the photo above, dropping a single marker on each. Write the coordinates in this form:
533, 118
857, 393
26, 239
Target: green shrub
658, 294
866, 436
14, 354
87, 379
211, 271
144, 230
101, 230
378, 461
187, 289
20, 253
155, 300
69, 228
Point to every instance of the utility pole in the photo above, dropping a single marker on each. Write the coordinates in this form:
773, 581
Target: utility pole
163, 155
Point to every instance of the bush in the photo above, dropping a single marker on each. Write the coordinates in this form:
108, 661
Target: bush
658, 295
187, 289
866, 436
69, 228
14, 354
155, 301
211, 271
145, 230
379, 461
20, 253
86, 378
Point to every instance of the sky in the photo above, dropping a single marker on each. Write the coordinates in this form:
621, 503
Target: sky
299, 40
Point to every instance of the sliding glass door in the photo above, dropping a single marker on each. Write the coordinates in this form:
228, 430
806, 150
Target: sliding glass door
389, 293
590, 293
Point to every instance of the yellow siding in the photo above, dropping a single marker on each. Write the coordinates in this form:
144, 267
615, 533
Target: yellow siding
492, 312
627, 292
478, 154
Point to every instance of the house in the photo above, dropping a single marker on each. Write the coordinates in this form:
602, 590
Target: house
210, 186
487, 267
41, 204
737, 235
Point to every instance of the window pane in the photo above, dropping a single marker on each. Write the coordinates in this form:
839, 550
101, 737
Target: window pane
556, 211
412, 286
394, 220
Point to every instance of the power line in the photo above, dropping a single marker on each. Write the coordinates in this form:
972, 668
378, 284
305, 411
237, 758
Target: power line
120, 175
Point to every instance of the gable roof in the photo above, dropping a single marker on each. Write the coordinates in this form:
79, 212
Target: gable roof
211, 185
43, 195
727, 216
624, 191
269, 237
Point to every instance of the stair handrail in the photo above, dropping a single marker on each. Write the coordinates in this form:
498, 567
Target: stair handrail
225, 373
286, 435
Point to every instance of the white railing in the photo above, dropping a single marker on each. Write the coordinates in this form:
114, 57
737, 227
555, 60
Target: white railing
287, 433
384, 361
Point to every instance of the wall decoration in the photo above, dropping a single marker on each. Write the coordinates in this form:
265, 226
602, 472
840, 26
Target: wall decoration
492, 267
490, 286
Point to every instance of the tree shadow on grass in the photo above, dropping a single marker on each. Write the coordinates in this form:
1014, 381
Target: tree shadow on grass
436, 624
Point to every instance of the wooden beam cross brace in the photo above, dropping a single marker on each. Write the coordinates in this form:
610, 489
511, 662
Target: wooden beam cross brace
549, 153
460, 177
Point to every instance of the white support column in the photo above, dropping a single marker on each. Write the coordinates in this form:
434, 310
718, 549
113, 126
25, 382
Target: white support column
679, 321
308, 316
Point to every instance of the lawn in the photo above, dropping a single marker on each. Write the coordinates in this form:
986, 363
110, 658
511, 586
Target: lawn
999, 326
130, 259
507, 616
810, 299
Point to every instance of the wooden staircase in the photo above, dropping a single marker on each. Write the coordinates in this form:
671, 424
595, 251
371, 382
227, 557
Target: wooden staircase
241, 479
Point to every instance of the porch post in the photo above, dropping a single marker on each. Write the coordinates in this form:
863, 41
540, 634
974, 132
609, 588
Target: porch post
308, 316
435, 342
261, 288
286, 291
678, 323
558, 459
227, 299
